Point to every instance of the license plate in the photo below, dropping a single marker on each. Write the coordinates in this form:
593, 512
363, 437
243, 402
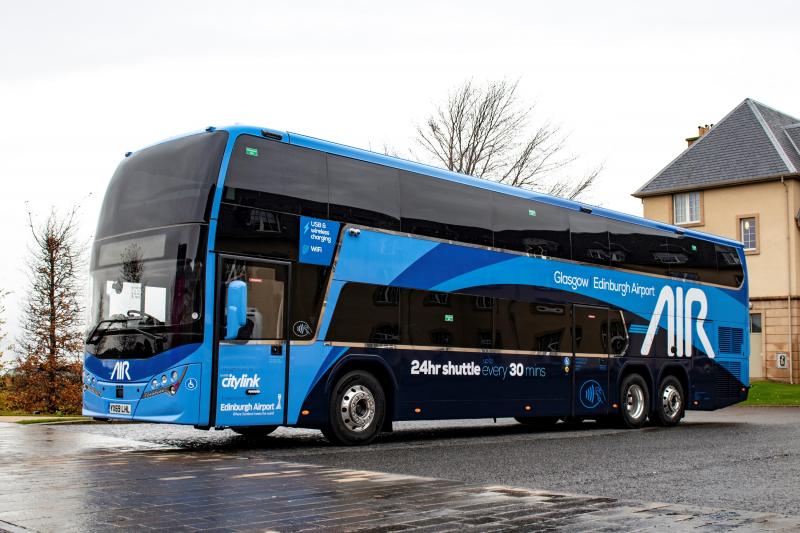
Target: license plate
119, 408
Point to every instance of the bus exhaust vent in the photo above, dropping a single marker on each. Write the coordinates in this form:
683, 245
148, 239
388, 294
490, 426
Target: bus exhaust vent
730, 340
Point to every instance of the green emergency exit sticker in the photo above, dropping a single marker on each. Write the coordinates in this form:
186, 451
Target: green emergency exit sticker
532, 212
448, 318
251, 151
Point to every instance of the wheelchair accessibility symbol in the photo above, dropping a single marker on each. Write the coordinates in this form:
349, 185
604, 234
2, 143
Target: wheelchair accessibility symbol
591, 394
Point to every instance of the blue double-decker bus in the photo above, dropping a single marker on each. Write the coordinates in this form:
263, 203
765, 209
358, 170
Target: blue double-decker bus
250, 278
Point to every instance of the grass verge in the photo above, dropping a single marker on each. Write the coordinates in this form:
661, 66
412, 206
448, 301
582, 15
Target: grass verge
772, 393
50, 420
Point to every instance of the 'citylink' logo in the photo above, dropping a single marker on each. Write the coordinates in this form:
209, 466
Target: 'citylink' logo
244, 381
679, 322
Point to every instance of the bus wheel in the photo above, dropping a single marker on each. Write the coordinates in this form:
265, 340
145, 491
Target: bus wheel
635, 399
357, 409
537, 421
254, 431
670, 403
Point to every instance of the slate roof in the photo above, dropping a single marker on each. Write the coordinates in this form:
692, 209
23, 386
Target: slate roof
750, 143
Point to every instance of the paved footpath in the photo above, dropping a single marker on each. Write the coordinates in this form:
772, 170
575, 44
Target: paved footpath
55, 480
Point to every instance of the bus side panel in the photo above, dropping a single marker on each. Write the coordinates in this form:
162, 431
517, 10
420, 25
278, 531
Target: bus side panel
664, 317
456, 384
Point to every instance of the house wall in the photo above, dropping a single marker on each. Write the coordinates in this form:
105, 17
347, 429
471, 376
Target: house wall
721, 207
775, 336
767, 268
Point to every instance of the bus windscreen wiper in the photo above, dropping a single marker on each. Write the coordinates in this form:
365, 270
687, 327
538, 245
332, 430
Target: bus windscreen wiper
96, 334
135, 313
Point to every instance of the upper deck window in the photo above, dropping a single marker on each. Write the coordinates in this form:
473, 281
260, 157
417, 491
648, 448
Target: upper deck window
277, 176
445, 210
166, 184
531, 227
270, 183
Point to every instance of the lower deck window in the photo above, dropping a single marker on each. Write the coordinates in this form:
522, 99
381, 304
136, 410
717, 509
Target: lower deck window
373, 314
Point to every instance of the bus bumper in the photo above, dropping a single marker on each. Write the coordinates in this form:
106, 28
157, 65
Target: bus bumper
172, 397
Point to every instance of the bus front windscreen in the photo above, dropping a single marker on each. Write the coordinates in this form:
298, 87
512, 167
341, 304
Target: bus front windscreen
166, 184
146, 292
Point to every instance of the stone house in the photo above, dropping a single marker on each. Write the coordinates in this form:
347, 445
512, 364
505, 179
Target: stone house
740, 178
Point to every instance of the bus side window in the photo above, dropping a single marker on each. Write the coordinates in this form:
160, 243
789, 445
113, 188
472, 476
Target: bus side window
589, 239
364, 193
445, 210
531, 227
692, 259
591, 331
635, 247
365, 314
531, 326
446, 319
617, 334
554, 329
266, 288
248, 230
729, 266
278, 176
308, 290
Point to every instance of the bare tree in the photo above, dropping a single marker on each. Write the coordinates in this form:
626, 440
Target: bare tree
487, 133
48, 373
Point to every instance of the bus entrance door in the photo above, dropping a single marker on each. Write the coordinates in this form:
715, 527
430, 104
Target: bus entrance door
590, 361
252, 350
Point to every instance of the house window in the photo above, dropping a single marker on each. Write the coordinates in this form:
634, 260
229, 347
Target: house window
686, 207
748, 232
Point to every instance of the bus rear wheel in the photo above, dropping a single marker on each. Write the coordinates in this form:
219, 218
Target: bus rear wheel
670, 402
254, 431
635, 400
357, 409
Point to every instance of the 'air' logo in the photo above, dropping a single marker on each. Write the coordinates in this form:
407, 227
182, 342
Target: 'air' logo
679, 322
120, 370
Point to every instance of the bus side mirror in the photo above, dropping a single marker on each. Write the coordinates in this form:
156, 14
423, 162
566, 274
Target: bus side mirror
236, 315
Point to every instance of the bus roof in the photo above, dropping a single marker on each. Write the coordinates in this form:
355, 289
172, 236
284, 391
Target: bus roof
420, 168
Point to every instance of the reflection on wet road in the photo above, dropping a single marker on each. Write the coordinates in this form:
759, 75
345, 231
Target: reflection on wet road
435, 476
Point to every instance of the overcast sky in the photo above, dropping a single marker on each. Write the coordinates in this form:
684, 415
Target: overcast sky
81, 83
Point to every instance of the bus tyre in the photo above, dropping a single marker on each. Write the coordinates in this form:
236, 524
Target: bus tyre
635, 399
670, 402
357, 409
537, 421
254, 431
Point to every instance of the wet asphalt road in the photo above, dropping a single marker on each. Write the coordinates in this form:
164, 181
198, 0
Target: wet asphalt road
740, 458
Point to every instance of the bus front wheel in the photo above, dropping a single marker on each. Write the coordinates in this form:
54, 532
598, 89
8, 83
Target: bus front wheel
670, 403
635, 401
357, 409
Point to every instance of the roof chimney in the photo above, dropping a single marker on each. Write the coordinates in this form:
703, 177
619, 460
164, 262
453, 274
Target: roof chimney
701, 130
